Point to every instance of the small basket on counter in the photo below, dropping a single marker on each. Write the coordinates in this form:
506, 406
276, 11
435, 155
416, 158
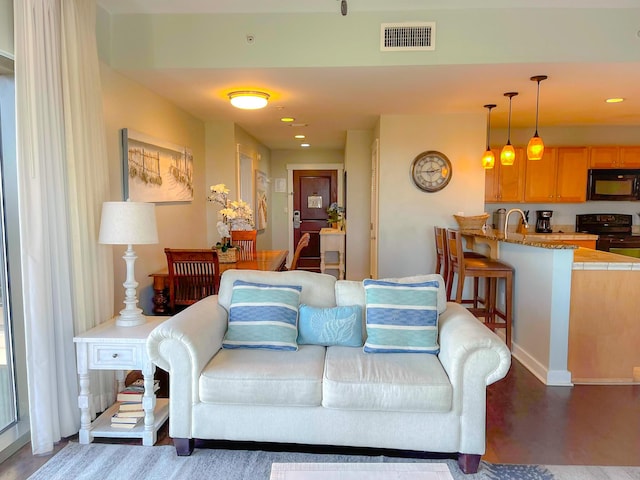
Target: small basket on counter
473, 222
229, 256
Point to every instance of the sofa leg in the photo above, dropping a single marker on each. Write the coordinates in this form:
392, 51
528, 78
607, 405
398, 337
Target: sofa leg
184, 446
468, 462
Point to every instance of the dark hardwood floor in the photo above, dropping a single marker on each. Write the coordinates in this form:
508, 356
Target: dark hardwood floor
527, 422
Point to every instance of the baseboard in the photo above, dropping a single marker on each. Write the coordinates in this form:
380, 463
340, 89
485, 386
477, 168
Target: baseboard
559, 378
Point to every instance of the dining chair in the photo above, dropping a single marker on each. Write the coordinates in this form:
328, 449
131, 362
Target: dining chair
245, 240
193, 275
302, 243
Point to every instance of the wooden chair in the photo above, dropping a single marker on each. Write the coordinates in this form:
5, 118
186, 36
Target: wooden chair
193, 275
491, 271
302, 243
245, 240
443, 264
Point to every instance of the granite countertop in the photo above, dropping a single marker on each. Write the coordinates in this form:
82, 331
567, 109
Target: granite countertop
563, 236
530, 239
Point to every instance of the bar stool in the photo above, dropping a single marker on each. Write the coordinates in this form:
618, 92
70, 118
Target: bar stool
491, 271
443, 265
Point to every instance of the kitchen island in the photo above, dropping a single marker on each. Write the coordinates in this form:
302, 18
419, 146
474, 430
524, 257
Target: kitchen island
548, 320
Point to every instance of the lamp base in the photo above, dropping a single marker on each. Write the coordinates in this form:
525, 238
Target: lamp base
127, 318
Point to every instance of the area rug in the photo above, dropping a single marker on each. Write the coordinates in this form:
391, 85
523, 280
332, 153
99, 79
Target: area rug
98, 461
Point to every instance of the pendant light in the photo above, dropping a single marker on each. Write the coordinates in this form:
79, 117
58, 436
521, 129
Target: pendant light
508, 154
535, 148
488, 159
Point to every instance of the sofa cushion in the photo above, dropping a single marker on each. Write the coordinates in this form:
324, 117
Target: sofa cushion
351, 292
263, 316
318, 289
408, 382
330, 326
401, 317
261, 377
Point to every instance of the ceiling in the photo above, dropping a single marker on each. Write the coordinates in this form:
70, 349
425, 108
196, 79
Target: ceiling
331, 101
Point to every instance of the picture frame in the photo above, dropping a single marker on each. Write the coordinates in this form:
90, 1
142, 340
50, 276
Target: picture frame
154, 170
262, 207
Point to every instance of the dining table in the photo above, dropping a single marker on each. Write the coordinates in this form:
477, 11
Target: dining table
265, 260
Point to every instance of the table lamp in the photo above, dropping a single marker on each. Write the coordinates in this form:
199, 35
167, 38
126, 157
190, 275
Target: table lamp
129, 223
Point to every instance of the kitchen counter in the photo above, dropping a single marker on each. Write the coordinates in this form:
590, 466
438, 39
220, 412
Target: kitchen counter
491, 238
587, 259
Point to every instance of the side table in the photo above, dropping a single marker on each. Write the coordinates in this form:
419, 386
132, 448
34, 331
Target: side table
332, 241
111, 347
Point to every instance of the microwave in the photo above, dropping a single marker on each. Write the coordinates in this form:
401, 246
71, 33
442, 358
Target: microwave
614, 184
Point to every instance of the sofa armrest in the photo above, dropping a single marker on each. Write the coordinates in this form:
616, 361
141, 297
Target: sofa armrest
183, 345
473, 357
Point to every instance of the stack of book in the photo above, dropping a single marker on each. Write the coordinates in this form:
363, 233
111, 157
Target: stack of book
130, 410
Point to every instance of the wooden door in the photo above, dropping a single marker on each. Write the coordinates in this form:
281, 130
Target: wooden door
313, 192
573, 167
511, 179
603, 157
630, 157
540, 178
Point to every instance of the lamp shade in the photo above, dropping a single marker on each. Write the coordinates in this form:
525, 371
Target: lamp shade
128, 223
535, 148
488, 159
507, 155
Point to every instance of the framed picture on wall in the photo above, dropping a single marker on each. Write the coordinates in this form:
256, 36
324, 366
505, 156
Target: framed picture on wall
261, 200
154, 170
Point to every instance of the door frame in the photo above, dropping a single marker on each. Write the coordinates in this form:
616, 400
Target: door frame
339, 167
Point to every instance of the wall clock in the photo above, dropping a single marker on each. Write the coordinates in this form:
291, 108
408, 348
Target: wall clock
431, 171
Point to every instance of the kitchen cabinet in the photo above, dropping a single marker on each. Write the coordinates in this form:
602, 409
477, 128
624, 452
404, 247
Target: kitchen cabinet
614, 157
559, 177
505, 183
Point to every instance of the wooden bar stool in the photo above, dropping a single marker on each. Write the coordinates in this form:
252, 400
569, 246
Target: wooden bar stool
491, 271
443, 265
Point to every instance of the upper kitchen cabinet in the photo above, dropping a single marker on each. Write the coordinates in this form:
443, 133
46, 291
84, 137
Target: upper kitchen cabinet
505, 183
614, 157
560, 176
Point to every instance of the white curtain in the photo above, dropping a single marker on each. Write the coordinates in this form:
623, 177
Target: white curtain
63, 180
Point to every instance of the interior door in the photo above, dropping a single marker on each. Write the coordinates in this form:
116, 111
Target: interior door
313, 192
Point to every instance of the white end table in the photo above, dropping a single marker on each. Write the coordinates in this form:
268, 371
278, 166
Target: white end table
110, 347
332, 240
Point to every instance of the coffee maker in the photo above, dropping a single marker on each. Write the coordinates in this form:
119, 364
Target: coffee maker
543, 221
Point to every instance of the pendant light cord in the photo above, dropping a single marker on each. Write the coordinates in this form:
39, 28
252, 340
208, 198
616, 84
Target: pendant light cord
537, 109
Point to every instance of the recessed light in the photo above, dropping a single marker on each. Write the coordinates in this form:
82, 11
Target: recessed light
299, 125
305, 145
287, 119
614, 100
299, 136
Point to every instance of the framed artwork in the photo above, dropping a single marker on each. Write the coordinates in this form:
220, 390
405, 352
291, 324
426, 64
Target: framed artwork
154, 170
261, 200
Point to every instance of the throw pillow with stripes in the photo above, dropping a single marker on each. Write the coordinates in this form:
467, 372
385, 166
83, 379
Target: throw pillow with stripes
263, 316
401, 317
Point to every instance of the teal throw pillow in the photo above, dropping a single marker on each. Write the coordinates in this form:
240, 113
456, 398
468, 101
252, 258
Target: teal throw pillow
330, 326
263, 316
401, 317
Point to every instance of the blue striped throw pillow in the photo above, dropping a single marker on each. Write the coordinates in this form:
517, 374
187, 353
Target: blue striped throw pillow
401, 317
263, 316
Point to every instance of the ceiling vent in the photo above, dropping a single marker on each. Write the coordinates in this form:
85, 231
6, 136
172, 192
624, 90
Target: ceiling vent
408, 36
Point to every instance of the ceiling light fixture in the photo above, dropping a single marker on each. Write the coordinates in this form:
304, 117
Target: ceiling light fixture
249, 99
488, 159
535, 148
508, 154
614, 100
305, 145
287, 119
299, 136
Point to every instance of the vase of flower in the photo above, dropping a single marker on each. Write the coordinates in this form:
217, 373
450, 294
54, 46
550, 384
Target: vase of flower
234, 215
335, 216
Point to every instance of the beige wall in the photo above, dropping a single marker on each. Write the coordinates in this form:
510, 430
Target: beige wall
407, 214
6, 29
180, 225
358, 168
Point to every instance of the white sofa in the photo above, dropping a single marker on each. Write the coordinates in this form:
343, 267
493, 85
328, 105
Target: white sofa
338, 396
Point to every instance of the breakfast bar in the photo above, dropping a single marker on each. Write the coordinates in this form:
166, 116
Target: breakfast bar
573, 308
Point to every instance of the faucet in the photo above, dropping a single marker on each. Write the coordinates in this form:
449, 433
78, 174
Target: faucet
506, 219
